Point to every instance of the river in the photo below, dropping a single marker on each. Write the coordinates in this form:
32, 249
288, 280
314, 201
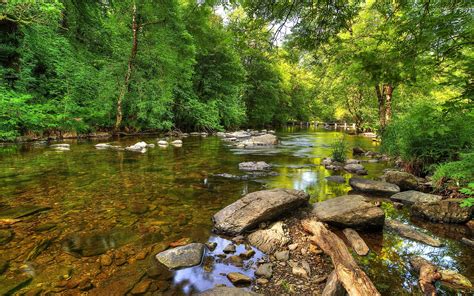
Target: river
70, 207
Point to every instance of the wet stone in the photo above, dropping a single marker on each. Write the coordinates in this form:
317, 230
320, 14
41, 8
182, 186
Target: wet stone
141, 287
211, 246
44, 227
265, 270
227, 291
247, 254
3, 266
105, 260
239, 279
5, 236
336, 179
9, 286
21, 211
184, 256
236, 261
230, 248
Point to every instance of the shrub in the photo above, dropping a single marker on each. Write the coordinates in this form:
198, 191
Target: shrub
427, 135
461, 171
339, 150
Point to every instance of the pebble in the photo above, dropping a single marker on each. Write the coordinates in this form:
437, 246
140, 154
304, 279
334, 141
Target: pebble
236, 261
262, 281
211, 246
282, 255
141, 287
299, 271
238, 278
319, 279
247, 254
239, 239
293, 247
265, 270
105, 260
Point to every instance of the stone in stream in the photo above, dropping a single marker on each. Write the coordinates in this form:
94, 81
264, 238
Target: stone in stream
184, 256
269, 240
349, 211
227, 291
211, 246
21, 211
445, 211
355, 168
256, 207
404, 180
411, 233
353, 161
254, 166
373, 187
263, 140
3, 266
336, 179
411, 196
138, 147
5, 236
60, 146
358, 151
468, 242
9, 286
162, 143
239, 279
230, 248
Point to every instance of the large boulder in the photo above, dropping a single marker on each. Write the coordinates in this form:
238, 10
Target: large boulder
411, 196
257, 207
349, 211
355, 168
227, 291
404, 180
184, 256
269, 240
263, 140
445, 211
373, 187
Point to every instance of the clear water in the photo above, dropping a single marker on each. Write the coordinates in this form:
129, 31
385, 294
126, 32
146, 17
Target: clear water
105, 199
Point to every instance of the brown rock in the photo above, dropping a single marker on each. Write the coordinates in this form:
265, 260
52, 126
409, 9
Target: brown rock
238, 278
446, 211
141, 287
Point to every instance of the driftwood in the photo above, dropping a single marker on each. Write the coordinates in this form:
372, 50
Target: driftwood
357, 243
428, 275
333, 286
467, 241
354, 279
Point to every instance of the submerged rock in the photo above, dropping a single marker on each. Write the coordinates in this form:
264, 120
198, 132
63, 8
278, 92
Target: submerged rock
262, 140
336, 179
254, 166
9, 286
138, 147
412, 196
412, 233
5, 236
239, 279
60, 146
257, 207
184, 256
227, 291
358, 151
349, 211
269, 240
355, 168
21, 211
446, 211
373, 187
404, 180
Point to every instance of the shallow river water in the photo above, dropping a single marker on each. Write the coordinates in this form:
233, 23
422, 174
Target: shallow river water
62, 211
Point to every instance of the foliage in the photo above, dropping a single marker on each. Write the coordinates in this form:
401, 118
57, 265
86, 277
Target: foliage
469, 190
426, 135
460, 171
339, 150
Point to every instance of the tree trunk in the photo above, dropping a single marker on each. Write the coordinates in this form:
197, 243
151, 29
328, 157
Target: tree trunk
381, 105
428, 275
333, 286
128, 74
354, 279
388, 90
357, 243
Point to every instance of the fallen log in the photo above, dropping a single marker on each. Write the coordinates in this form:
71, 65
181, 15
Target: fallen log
354, 279
467, 241
333, 286
357, 243
428, 275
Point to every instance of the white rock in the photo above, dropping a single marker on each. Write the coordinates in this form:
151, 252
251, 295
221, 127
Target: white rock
162, 143
177, 142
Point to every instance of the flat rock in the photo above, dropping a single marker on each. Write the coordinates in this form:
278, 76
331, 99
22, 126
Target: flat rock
227, 291
355, 168
262, 140
412, 196
336, 179
265, 270
254, 166
411, 233
269, 240
257, 207
446, 211
184, 256
239, 279
349, 211
282, 255
404, 180
373, 187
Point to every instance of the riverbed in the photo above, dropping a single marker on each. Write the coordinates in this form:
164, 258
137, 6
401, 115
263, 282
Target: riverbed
69, 210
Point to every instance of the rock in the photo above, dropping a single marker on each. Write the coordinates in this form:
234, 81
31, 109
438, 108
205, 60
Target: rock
163, 143
60, 146
45, 227
336, 179
184, 256
21, 211
265, 270
269, 240
181, 242
105, 260
358, 151
464, 240
227, 291
236, 261
411, 233
238, 278
177, 142
355, 168
138, 147
404, 180
410, 197
3, 266
103, 146
349, 211
300, 272
141, 287
211, 246
293, 247
263, 140
6, 236
326, 161
455, 279
373, 187
446, 211
353, 161
230, 248
282, 255
239, 239
247, 254
254, 166
262, 281
9, 286
257, 207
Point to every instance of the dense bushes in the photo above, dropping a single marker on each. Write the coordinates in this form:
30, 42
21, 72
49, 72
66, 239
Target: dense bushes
461, 171
428, 135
